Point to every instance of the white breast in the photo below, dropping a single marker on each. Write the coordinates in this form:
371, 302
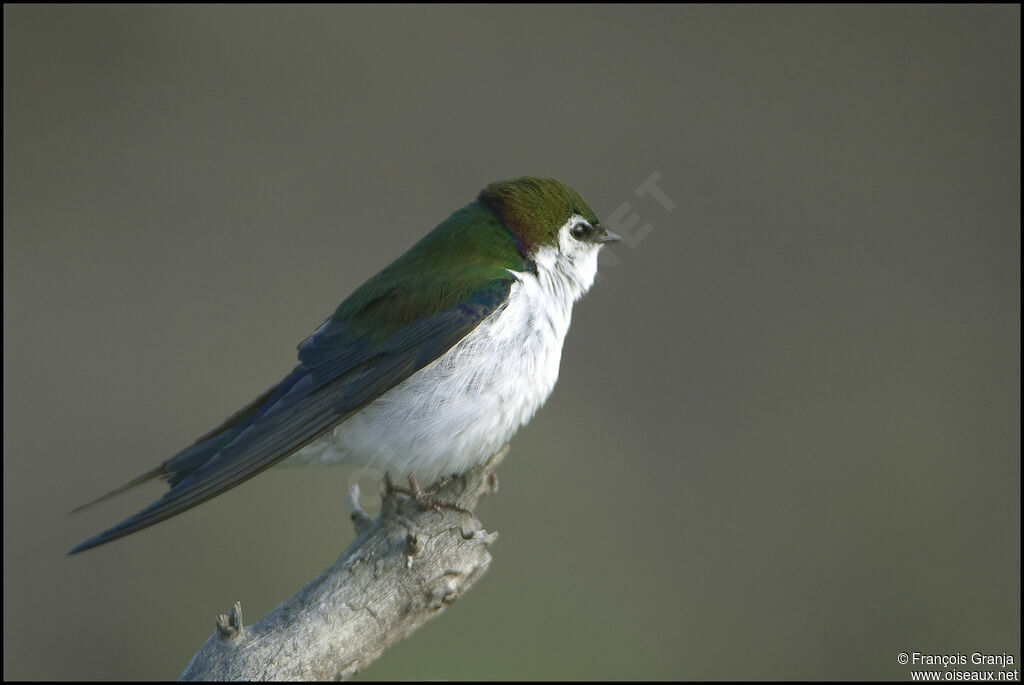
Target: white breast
460, 409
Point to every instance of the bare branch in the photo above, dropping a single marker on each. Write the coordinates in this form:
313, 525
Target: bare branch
403, 568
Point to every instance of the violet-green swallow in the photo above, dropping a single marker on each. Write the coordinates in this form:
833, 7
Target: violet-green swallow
428, 368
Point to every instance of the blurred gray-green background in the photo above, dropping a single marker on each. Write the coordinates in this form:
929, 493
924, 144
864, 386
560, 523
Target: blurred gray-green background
785, 443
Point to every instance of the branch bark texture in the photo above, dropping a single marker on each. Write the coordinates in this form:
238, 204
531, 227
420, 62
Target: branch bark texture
403, 568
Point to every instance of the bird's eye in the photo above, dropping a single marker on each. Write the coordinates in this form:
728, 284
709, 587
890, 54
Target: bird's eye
579, 231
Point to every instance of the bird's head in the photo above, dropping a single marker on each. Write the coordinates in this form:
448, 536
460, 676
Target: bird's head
553, 226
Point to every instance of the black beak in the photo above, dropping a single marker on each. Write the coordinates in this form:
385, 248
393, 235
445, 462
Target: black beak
603, 235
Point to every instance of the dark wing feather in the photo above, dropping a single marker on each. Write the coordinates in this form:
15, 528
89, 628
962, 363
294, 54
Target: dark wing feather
339, 374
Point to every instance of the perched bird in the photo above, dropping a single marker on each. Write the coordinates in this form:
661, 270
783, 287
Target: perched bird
427, 369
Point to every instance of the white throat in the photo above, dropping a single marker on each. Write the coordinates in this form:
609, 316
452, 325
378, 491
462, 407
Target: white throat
567, 271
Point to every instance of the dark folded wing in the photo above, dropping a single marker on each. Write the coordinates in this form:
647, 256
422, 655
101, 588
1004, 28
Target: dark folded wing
341, 371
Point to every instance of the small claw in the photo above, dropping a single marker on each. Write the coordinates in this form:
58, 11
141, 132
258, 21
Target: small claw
424, 497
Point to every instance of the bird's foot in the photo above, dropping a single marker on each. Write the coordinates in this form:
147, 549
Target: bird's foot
424, 497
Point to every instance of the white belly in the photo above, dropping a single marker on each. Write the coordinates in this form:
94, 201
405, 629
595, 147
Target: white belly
459, 410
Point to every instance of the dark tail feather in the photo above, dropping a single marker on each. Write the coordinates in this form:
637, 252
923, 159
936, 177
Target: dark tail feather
185, 463
147, 476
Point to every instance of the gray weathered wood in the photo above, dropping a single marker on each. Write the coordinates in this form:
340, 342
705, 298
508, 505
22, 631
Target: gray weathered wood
403, 568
